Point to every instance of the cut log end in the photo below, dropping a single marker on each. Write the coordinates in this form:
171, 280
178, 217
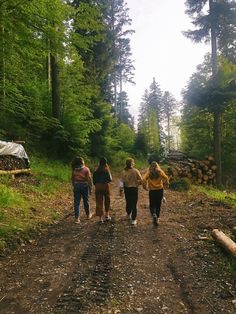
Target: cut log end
228, 244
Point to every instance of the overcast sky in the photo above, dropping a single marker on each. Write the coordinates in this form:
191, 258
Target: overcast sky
160, 49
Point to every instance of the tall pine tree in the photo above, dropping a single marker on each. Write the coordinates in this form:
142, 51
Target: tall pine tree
209, 26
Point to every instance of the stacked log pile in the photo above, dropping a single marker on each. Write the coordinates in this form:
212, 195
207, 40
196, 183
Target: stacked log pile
176, 155
9, 163
201, 172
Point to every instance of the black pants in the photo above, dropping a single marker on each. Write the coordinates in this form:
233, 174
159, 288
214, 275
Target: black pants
155, 198
131, 198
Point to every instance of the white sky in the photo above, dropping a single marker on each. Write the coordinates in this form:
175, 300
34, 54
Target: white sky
159, 49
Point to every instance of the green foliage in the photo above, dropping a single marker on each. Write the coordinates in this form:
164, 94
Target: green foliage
168, 115
122, 111
10, 198
57, 65
216, 25
22, 202
197, 133
125, 137
223, 196
198, 121
149, 125
222, 13
140, 145
51, 169
229, 140
180, 185
119, 158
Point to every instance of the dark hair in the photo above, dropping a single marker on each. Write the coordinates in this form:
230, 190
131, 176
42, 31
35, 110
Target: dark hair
103, 161
103, 166
77, 162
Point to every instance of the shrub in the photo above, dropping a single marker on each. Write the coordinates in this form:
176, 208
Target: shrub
181, 185
119, 158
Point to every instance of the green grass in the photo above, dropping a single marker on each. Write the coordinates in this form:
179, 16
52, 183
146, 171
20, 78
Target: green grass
47, 187
231, 267
227, 198
25, 202
10, 198
50, 168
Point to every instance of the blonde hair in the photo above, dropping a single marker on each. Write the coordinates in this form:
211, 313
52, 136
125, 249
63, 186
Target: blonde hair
129, 163
154, 170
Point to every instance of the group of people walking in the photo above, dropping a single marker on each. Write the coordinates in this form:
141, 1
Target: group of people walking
82, 180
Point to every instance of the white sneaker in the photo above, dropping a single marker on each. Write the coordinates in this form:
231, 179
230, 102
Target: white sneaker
77, 221
89, 216
134, 222
108, 218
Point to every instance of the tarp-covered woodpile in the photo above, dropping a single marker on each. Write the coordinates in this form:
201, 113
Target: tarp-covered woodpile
13, 158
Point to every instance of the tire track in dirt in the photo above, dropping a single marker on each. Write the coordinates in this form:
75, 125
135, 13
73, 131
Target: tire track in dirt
92, 279
115, 268
184, 291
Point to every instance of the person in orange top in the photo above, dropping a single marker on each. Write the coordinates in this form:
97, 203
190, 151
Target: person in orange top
153, 181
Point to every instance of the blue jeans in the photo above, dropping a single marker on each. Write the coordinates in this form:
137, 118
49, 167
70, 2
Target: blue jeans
81, 189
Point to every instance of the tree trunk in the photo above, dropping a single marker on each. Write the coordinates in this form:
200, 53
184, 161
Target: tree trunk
217, 114
48, 66
55, 87
114, 49
217, 147
121, 86
3, 73
168, 131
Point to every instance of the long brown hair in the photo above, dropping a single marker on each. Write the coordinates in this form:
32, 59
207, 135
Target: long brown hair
103, 166
77, 162
154, 171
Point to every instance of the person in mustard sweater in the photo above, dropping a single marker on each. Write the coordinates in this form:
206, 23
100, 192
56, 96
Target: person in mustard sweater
153, 181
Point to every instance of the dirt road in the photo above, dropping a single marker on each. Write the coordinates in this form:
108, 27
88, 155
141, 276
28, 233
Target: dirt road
117, 268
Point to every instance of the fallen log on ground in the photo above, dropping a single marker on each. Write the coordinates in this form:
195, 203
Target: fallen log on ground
16, 171
228, 244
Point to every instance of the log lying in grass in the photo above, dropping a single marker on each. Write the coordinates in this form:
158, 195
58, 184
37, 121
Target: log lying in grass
228, 244
16, 171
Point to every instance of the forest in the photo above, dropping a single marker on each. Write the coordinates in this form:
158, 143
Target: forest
64, 65
65, 68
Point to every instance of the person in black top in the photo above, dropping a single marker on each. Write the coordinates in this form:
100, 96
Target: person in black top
101, 179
